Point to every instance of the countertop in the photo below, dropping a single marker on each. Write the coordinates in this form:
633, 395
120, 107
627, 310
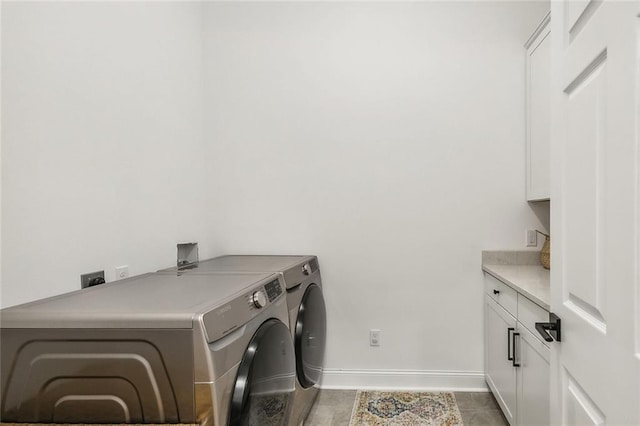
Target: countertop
532, 281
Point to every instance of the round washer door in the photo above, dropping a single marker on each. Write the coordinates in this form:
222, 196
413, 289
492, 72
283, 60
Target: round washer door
311, 335
265, 383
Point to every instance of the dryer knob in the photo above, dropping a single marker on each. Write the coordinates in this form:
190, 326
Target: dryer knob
259, 299
306, 269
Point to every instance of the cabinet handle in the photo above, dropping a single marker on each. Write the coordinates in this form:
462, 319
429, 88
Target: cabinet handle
513, 336
509, 330
496, 291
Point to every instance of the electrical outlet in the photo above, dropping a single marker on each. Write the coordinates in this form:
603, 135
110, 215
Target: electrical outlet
122, 272
91, 279
531, 238
374, 337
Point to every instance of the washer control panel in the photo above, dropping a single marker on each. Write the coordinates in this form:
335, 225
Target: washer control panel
261, 297
273, 289
224, 319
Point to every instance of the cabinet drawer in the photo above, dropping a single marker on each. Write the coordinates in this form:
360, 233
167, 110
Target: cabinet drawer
501, 293
529, 314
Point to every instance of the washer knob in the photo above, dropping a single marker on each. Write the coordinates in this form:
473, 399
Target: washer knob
259, 299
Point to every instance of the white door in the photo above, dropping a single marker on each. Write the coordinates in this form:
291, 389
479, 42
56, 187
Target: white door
595, 372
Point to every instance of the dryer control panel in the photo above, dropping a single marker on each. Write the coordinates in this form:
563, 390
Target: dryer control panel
307, 270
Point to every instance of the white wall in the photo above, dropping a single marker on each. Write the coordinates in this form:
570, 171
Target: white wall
102, 141
1, 160
388, 139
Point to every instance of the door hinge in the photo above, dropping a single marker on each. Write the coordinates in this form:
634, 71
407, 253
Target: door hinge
551, 330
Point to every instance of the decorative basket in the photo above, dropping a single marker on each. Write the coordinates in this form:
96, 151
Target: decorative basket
545, 253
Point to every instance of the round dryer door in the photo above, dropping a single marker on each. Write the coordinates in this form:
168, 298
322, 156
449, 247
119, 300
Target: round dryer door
264, 387
311, 335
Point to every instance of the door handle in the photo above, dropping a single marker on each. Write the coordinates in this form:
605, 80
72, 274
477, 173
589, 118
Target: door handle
550, 331
513, 336
509, 330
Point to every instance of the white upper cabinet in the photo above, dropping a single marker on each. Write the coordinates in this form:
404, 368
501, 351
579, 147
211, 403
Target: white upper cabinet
538, 78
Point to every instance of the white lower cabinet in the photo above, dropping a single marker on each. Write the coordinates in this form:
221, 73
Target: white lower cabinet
532, 379
516, 360
499, 371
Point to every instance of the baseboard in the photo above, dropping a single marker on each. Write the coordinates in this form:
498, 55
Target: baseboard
416, 380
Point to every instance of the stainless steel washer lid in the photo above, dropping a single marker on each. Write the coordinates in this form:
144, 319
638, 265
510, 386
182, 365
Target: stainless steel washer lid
294, 269
246, 263
145, 301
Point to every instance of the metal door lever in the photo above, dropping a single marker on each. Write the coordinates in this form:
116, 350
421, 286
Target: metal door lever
550, 331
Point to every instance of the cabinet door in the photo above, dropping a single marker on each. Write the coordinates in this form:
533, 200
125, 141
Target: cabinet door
538, 113
500, 373
533, 379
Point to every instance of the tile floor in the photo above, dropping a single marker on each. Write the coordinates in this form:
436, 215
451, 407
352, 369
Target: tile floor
333, 408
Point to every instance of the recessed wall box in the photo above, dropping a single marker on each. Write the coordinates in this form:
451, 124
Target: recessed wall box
187, 255
91, 279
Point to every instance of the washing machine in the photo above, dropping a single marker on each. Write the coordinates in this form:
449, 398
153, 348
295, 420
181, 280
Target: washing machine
307, 313
156, 348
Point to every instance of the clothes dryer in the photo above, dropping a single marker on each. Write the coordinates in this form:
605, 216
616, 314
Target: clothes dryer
307, 313
156, 348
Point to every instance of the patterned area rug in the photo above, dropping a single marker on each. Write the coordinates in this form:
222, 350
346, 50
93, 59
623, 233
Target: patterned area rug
373, 408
